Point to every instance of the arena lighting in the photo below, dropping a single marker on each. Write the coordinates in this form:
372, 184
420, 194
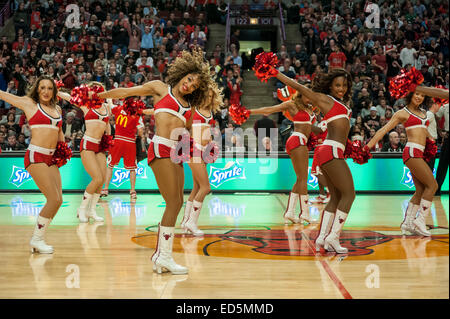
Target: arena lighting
253, 20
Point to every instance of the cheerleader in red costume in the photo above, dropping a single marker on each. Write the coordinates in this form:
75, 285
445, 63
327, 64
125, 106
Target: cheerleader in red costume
201, 133
127, 125
92, 154
324, 194
187, 84
415, 121
300, 111
45, 120
330, 93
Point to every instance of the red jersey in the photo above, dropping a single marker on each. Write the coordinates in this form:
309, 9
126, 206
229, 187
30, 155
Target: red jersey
126, 125
337, 60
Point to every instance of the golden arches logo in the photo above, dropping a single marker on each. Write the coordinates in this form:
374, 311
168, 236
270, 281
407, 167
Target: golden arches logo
121, 120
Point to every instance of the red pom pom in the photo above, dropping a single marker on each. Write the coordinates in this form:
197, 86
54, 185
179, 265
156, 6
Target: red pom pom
211, 152
62, 154
438, 101
265, 66
59, 84
106, 143
238, 113
405, 82
133, 106
430, 150
312, 141
348, 149
87, 96
357, 152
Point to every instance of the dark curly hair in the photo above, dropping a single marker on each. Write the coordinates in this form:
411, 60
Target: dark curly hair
322, 82
191, 63
33, 93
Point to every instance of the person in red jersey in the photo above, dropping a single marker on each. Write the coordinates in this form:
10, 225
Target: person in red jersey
125, 147
300, 110
45, 120
187, 80
415, 121
330, 92
201, 133
92, 155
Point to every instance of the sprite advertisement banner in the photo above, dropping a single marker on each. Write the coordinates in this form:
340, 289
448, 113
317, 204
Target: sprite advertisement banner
226, 174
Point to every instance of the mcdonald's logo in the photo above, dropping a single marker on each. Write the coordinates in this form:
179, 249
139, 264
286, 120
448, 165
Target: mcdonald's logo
121, 119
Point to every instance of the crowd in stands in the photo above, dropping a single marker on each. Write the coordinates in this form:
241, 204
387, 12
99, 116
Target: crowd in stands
127, 43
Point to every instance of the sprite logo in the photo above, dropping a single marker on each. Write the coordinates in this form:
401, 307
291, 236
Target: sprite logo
231, 171
121, 175
19, 176
407, 179
312, 182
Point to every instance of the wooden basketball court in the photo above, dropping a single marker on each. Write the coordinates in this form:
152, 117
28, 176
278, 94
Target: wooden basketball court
247, 251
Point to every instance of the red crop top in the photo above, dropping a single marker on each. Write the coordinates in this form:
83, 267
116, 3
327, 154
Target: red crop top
339, 110
170, 104
303, 117
200, 119
414, 121
93, 115
42, 119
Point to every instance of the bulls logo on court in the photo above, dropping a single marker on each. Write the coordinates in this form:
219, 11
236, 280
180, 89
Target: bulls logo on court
293, 243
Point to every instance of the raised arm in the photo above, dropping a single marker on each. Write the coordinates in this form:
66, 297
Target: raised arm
316, 98
22, 102
271, 109
398, 117
433, 92
149, 88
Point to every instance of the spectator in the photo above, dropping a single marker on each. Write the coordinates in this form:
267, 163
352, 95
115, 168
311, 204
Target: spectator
264, 127
12, 145
234, 39
11, 123
408, 55
337, 58
71, 125
393, 145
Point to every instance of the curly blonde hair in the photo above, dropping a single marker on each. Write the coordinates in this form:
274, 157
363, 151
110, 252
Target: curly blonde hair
190, 63
217, 98
297, 99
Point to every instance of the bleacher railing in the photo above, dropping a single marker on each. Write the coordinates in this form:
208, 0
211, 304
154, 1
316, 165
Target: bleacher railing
282, 29
5, 12
227, 29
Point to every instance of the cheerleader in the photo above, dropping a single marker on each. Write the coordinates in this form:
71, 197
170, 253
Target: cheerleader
300, 111
187, 84
201, 133
415, 121
92, 154
45, 119
324, 194
330, 93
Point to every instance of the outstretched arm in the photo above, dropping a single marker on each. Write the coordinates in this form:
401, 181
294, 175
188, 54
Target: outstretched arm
398, 117
433, 92
270, 109
149, 88
21, 102
318, 99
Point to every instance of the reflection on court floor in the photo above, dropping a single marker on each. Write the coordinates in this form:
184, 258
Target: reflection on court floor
246, 244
